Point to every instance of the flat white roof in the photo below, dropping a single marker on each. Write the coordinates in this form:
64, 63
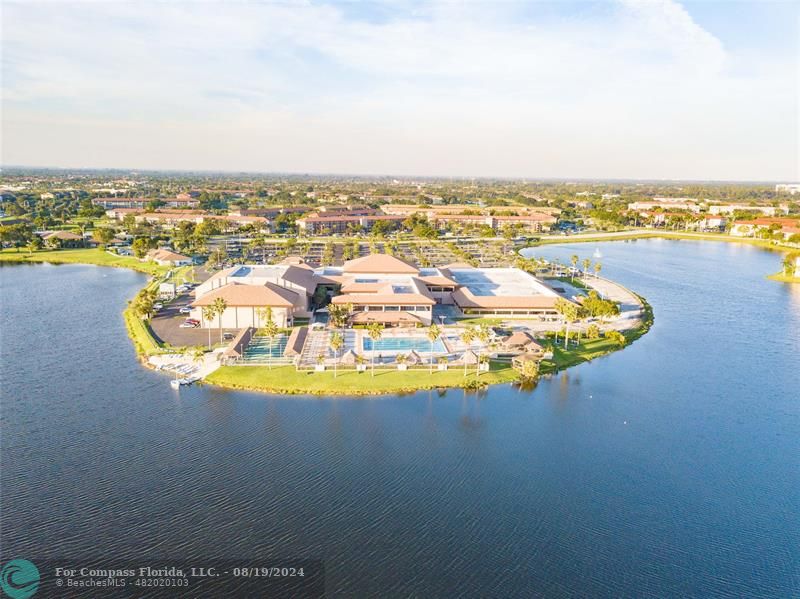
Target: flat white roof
500, 282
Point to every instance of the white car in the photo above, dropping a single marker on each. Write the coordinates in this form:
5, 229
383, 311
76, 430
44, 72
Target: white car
185, 310
158, 307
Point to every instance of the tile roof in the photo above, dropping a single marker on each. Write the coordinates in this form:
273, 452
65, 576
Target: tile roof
236, 294
379, 263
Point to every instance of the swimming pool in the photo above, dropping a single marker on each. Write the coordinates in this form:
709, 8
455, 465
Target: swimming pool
261, 350
404, 344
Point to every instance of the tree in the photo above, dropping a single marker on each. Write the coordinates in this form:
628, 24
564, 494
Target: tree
467, 337
569, 312
336, 342
264, 315
483, 335
208, 314
586, 264
529, 370
220, 305
35, 244
574, 260
597, 268
616, 337
434, 332
104, 235
145, 303
338, 314
197, 354
270, 330
789, 262
375, 332
140, 246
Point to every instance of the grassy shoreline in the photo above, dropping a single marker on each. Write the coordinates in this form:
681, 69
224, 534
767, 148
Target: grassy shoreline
285, 380
782, 277
91, 256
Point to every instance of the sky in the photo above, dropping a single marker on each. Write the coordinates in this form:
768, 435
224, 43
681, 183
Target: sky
595, 90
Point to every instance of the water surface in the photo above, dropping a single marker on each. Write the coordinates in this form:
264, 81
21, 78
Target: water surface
668, 469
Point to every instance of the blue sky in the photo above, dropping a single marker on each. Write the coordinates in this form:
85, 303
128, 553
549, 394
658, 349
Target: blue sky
618, 89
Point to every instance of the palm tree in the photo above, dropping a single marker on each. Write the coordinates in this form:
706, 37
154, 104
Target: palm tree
375, 332
270, 330
597, 268
338, 314
467, 337
336, 342
434, 332
483, 335
574, 260
788, 265
208, 315
265, 314
586, 264
220, 305
569, 312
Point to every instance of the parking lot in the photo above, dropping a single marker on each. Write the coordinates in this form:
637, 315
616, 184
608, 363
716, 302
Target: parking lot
166, 324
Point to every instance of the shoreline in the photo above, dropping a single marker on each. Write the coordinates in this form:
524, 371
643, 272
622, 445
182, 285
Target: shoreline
648, 234
318, 383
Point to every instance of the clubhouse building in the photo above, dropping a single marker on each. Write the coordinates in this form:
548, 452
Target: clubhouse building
376, 288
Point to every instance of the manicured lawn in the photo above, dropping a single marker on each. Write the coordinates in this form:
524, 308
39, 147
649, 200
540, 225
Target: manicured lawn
81, 256
140, 334
287, 380
585, 351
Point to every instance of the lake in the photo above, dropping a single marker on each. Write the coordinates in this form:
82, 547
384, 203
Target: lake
671, 468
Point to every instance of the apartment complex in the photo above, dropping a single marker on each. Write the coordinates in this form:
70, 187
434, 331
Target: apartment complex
180, 201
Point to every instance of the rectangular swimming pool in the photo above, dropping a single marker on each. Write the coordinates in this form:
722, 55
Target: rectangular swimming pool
404, 344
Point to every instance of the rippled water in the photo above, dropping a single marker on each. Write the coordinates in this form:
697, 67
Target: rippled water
669, 469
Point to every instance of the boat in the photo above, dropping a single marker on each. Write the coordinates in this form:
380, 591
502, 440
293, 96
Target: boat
175, 383
597, 253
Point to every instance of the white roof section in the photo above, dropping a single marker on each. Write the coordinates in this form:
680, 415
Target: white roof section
500, 282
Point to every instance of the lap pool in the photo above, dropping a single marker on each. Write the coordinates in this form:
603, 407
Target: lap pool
404, 344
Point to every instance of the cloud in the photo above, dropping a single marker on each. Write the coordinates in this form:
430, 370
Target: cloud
438, 88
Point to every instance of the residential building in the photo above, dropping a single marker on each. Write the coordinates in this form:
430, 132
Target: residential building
166, 257
62, 239
316, 224
765, 210
711, 223
748, 228
689, 204
177, 202
790, 188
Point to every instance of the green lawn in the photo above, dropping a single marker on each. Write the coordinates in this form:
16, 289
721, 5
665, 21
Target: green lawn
81, 256
140, 335
782, 277
583, 352
287, 380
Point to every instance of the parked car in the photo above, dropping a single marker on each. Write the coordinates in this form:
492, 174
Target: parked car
228, 336
189, 324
